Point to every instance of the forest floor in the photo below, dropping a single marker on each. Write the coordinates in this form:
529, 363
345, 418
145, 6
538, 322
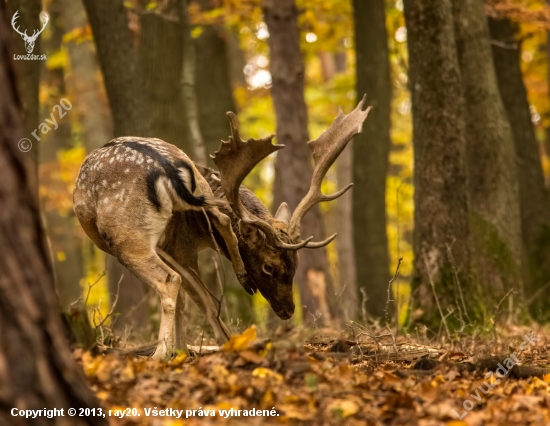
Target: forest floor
361, 377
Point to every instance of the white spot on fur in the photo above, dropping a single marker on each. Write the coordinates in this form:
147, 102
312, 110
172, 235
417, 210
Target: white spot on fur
112, 159
127, 171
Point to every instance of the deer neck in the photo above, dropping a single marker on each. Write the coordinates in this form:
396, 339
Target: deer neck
248, 199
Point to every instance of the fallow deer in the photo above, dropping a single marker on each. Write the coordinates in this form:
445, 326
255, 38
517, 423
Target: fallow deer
137, 198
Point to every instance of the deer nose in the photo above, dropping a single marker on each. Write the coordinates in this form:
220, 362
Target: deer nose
286, 313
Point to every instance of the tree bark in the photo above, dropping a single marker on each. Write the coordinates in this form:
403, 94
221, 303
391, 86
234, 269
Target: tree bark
213, 83
118, 61
534, 196
547, 139
441, 193
293, 167
371, 154
36, 367
159, 72
83, 82
492, 174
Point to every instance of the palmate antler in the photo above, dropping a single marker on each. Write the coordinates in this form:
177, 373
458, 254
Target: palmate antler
326, 150
236, 158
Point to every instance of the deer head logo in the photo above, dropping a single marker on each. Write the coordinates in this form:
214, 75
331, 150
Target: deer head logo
29, 40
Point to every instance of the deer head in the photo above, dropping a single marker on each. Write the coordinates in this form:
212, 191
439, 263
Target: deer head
269, 246
29, 40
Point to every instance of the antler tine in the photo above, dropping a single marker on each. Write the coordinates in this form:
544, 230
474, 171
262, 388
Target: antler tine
326, 150
235, 159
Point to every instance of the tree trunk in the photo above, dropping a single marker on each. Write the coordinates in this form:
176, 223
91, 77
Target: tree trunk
118, 61
213, 83
65, 241
36, 367
188, 88
82, 80
159, 71
344, 242
441, 194
547, 139
28, 72
371, 154
490, 159
534, 196
293, 167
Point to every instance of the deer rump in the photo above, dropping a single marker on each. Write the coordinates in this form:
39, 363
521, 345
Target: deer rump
136, 197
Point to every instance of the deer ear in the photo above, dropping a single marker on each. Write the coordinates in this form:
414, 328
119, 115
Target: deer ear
283, 213
251, 234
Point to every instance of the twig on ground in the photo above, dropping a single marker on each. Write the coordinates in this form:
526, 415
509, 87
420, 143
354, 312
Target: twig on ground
497, 309
388, 299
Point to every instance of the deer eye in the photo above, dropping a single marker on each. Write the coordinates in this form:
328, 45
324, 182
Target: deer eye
267, 269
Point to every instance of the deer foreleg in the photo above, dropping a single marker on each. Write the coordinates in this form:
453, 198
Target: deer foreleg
181, 323
223, 224
193, 285
206, 304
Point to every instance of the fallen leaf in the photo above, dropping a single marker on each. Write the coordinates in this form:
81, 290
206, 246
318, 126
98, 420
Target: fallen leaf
240, 342
262, 373
251, 356
343, 407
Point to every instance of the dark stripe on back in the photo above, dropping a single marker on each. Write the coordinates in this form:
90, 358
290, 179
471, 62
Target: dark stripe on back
170, 171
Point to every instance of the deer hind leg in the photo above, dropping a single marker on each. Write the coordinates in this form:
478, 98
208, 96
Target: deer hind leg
153, 271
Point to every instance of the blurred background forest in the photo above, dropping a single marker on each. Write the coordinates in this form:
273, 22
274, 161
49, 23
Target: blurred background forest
171, 69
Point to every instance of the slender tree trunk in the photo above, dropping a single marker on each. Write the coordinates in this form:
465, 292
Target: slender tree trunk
348, 300
441, 193
331, 64
64, 238
236, 60
293, 167
534, 196
36, 367
188, 86
370, 155
28, 71
213, 83
492, 174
